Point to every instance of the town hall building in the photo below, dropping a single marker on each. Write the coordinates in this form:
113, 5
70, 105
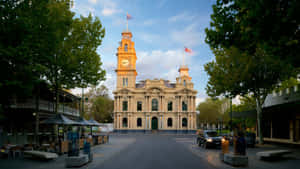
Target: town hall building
151, 105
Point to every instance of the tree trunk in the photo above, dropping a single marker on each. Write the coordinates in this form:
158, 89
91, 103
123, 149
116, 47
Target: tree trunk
56, 100
259, 116
37, 116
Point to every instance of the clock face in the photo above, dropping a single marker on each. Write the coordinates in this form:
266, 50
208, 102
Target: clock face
125, 62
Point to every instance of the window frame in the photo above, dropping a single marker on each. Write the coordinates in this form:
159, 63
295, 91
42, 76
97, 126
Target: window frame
154, 104
184, 106
170, 102
184, 122
123, 105
139, 122
170, 122
123, 124
137, 106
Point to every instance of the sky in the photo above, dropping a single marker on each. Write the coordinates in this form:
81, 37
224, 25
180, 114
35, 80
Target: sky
161, 29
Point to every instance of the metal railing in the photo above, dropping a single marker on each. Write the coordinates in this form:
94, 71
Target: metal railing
45, 106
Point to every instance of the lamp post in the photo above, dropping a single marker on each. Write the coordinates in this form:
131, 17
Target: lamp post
230, 113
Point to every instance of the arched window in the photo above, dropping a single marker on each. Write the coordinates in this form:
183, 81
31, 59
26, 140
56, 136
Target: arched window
125, 106
184, 106
154, 105
170, 106
139, 122
124, 122
184, 83
184, 122
126, 48
170, 122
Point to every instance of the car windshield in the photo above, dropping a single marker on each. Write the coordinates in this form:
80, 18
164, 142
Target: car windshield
212, 134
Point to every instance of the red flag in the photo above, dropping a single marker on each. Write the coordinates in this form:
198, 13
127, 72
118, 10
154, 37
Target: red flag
187, 50
128, 16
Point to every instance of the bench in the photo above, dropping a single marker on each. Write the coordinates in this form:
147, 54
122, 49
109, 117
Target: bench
76, 161
40, 155
272, 154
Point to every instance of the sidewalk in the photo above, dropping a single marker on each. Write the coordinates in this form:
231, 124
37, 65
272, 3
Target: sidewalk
101, 153
212, 156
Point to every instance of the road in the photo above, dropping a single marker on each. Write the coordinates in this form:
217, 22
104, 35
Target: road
155, 152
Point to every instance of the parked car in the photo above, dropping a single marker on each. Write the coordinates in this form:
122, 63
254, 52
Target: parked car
209, 138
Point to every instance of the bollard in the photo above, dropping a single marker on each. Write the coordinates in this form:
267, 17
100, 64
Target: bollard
225, 146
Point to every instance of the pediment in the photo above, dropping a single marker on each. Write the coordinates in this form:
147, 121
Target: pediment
123, 91
155, 90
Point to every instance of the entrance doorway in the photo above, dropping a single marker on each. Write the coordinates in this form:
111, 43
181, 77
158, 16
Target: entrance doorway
154, 123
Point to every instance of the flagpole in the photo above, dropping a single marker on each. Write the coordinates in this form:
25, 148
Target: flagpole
183, 58
127, 22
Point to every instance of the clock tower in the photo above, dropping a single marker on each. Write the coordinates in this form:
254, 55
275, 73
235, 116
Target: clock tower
126, 69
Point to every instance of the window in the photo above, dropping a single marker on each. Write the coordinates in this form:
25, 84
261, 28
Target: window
126, 48
139, 106
125, 82
139, 122
184, 122
124, 122
125, 106
170, 122
184, 83
184, 106
170, 106
154, 105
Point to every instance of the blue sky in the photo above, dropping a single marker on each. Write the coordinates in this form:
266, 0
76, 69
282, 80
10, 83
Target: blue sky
161, 29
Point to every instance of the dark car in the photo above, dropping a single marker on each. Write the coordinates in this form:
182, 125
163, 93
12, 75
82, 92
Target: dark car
209, 138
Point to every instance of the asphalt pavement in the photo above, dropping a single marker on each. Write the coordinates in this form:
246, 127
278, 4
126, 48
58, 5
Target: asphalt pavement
155, 152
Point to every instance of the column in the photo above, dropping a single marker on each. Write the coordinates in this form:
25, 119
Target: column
146, 122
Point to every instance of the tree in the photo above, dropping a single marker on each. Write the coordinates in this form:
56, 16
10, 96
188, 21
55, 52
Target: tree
236, 73
256, 44
247, 104
102, 108
73, 61
212, 109
271, 25
24, 41
99, 105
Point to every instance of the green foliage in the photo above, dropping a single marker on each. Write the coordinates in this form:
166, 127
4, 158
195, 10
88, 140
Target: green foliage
256, 44
100, 106
212, 110
247, 104
102, 109
42, 41
272, 25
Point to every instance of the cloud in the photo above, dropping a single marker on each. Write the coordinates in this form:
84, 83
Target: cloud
184, 16
190, 36
149, 22
93, 1
108, 11
148, 37
159, 64
83, 9
109, 7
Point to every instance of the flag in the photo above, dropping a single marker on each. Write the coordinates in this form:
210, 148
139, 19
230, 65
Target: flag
128, 16
187, 50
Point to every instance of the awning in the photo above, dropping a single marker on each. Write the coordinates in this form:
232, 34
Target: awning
60, 120
94, 122
84, 122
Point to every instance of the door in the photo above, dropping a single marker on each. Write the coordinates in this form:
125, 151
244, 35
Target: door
154, 123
